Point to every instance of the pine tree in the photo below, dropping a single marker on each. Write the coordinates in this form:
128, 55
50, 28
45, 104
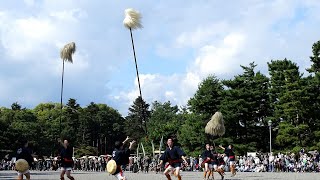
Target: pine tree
289, 100
136, 121
207, 98
245, 107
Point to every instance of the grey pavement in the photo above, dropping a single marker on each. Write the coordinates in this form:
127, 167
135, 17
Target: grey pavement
79, 175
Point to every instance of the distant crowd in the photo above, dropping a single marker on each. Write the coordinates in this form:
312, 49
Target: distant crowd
281, 162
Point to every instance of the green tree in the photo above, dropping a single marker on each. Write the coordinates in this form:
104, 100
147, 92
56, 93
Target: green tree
245, 107
24, 125
164, 120
6, 137
100, 127
289, 99
48, 115
137, 119
111, 125
87, 125
71, 120
191, 134
312, 88
315, 58
207, 98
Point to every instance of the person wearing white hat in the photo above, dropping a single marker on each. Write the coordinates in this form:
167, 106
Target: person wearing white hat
120, 156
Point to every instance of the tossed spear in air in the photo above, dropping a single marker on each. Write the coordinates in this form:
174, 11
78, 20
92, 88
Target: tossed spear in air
132, 21
66, 55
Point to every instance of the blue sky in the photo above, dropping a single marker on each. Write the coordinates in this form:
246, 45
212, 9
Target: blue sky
181, 43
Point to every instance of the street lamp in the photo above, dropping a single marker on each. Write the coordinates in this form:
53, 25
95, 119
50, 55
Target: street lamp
270, 124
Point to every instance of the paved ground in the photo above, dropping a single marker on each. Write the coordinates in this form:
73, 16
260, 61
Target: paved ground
11, 175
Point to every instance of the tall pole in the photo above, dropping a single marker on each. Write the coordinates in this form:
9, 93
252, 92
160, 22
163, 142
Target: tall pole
66, 55
270, 138
105, 145
61, 93
135, 60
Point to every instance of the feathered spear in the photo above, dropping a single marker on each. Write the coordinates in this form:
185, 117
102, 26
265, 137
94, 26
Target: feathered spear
215, 126
132, 21
66, 55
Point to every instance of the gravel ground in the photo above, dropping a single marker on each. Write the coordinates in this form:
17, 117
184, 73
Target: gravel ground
11, 175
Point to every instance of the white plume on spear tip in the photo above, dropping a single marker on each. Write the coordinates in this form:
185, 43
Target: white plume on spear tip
67, 51
215, 126
66, 55
132, 21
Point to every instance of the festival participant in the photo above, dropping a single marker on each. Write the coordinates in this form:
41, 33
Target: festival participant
214, 161
66, 159
24, 153
220, 167
121, 157
172, 155
207, 157
231, 156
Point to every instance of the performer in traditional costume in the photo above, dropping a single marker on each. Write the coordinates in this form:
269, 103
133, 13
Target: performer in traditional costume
66, 160
231, 158
24, 160
220, 167
120, 157
214, 161
207, 157
173, 155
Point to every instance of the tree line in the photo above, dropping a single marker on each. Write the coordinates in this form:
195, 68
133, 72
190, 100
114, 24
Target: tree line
285, 96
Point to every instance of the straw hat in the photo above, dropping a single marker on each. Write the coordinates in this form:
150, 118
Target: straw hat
111, 167
22, 165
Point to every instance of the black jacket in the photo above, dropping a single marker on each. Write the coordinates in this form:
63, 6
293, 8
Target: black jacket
121, 156
25, 153
172, 154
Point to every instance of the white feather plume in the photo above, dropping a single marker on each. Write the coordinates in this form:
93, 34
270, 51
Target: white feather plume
216, 125
67, 51
132, 19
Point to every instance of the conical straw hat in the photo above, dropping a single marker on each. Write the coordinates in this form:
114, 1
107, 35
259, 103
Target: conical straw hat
111, 167
22, 165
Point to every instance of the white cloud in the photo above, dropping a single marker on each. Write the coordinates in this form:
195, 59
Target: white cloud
5, 89
80, 64
69, 15
261, 31
29, 2
221, 59
174, 88
25, 37
30, 46
178, 89
34, 39
201, 35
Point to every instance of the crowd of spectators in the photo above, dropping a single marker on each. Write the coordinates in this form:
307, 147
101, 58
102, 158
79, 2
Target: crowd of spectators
280, 162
